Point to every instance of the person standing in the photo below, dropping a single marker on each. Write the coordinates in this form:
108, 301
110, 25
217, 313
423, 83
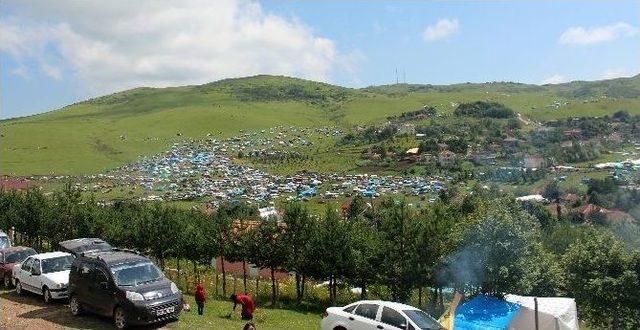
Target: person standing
201, 298
248, 306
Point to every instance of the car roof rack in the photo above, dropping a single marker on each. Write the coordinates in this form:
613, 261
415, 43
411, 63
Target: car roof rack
126, 250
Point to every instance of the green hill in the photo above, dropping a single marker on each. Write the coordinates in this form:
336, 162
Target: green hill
107, 131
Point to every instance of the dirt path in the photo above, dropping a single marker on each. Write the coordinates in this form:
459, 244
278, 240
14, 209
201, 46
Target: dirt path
30, 312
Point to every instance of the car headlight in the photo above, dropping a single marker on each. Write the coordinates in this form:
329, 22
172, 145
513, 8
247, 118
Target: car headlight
174, 288
134, 296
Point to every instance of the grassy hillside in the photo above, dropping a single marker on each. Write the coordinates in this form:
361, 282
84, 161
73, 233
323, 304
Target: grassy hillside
105, 132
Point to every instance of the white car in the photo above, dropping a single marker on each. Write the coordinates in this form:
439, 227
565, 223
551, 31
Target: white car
377, 314
46, 274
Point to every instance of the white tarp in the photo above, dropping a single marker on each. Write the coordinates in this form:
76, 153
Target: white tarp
553, 313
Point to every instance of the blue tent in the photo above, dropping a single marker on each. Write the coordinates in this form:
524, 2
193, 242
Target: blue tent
484, 312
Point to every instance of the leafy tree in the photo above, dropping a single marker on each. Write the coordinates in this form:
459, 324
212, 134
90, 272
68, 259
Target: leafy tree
297, 237
267, 250
604, 279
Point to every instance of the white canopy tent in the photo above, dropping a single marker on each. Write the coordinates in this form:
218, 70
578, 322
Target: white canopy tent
553, 313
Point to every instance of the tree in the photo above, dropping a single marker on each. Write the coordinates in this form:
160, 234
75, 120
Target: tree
604, 279
267, 250
496, 252
331, 252
298, 237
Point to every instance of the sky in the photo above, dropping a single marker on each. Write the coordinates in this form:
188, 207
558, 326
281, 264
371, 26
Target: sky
54, 53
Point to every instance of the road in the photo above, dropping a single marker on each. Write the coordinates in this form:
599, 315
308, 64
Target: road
30, 312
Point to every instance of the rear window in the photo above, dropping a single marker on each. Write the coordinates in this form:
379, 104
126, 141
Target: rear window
367, 310
4, 242
350, 309
18, 256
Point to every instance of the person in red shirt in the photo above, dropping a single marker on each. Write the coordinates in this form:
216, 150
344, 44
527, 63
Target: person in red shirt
248, 306
201, 298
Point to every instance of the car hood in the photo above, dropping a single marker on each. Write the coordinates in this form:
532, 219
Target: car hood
58, 277
153, 290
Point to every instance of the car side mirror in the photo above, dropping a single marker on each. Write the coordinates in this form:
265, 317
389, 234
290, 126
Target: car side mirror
104, 285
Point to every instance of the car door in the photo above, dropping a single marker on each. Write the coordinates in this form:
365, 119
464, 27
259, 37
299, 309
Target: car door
365, 316
392, 319
100, 291
34, 280
25, 273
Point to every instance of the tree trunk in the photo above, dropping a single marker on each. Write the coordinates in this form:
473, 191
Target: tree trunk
273, 287
363, 292
302, 286
217, 275
331, 290
257, 287
244, 275
298, 288
224, 278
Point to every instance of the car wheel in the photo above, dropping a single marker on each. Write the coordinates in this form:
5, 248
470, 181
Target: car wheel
74, 305
47, 295
7, 281
120, 318
18, 288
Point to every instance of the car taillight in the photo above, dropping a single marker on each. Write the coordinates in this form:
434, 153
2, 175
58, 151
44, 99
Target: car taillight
325, 314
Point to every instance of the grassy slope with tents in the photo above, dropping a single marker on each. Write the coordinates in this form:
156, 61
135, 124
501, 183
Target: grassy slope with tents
105, 132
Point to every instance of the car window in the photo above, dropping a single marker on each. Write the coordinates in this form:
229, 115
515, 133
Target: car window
57, 264
391, 317
367, 310
35, 266
18, 256
422, 320
350, 309
4, 242
26, 266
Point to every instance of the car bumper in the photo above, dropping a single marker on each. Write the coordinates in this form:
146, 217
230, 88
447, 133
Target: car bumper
59, 293
161, 310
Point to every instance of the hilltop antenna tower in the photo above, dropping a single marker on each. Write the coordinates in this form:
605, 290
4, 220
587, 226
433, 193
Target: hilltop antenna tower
396, 75
404, 76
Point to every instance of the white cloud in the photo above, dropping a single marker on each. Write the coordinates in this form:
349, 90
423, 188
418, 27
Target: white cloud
20, 71
120, 44
555, 79
585, 36
615, 73
442, 29
51, 71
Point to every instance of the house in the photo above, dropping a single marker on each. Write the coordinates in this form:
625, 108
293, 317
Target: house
408, 129
510, 142
413, 151
446, 158
8, 183
484, 158
573, 133
534, 161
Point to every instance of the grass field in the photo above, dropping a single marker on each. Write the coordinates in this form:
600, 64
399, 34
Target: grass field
264, 319
106, 132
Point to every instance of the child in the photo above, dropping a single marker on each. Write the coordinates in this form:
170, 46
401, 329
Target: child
201, 297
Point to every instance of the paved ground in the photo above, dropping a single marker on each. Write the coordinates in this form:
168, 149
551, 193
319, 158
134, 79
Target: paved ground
30, 312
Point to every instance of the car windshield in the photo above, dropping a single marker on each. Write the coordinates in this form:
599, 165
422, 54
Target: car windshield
56, 264
133, 274
4, 242
422, 320
18, 256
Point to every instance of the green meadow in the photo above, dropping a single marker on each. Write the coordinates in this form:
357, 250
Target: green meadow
103, 133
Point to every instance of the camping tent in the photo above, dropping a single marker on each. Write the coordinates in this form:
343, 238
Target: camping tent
484, 312
553, 313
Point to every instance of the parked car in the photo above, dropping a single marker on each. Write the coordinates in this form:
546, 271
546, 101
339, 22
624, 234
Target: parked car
5, 242
124, 285
46, 274
9, 257
84, 245
377, 314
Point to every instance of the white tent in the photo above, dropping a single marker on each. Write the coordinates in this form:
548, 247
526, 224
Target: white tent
553, 313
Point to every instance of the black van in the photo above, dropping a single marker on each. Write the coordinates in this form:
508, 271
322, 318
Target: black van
124, 285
